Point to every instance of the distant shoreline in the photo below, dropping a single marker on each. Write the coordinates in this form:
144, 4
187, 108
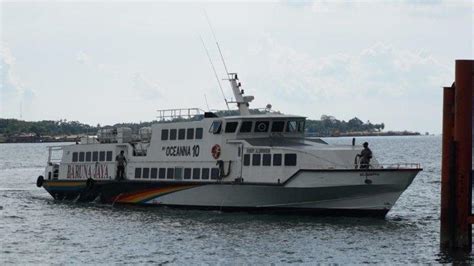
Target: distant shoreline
75, 138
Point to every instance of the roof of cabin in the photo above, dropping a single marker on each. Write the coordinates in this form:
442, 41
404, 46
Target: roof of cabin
264, 116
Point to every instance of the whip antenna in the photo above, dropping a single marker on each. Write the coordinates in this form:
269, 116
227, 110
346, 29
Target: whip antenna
215, 73
207, 104
217, 43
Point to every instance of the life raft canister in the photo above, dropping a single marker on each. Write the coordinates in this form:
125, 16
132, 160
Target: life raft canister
216, 151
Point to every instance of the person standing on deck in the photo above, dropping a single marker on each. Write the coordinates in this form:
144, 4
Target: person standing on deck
121, 162
365, 156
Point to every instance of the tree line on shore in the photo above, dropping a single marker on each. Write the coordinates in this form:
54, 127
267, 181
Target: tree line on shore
326, 126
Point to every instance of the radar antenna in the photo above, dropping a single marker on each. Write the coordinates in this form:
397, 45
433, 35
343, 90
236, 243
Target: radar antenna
215, 72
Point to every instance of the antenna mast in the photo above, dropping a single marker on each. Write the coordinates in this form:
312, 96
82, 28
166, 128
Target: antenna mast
215, 72
217, 43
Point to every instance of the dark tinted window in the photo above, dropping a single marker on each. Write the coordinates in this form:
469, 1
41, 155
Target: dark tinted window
138, 172
172, 134
246, 126
178, 173
301, 126
290, 159
230, 127
95, 156
246, 159
181, 133
162, 173
291, 126
109, 156
190, 133
214, 173
278, 126
196, 173
164, 134
199, 133
170, 173
146, 172
74, 156
81, 156
261, 126
154, 173
102, 156
255, 159
187, 173
88, 156
205, 173
216, 127
267, 159
277, 159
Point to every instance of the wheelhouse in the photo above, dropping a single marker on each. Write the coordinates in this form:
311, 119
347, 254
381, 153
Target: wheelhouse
259, 126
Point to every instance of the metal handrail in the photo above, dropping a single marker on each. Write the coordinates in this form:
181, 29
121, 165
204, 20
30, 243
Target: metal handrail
164, 114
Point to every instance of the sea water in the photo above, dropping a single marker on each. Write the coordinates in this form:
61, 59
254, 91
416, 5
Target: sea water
34, 228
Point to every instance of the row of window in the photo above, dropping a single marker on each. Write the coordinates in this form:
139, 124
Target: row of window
181, 134
92, 156
292, 126
266, 159
177, 173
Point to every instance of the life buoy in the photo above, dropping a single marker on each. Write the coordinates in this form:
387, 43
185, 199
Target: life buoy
40, 181
216, 151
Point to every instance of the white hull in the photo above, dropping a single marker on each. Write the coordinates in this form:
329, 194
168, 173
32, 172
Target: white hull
345, 190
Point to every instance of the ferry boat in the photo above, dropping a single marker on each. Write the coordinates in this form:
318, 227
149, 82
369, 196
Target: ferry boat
247, 162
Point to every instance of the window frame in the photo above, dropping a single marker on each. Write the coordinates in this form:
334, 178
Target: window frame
199, 132
147, 171
107, 156
267, 159
279, 160
164, 134
101, 156
231, 127
205, 173
82, 156
75, 157
187, 174
255, 161
257, 128
246, 159
181, 134
173, 134
196, 173
244, 124
153, 173
170, 173
216, 127
290, 163
190, 133
215, 173
88, 156
138, 173
273, 126
95, 156
162, 173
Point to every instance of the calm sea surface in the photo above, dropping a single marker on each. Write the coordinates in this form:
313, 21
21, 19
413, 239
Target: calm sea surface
34, 228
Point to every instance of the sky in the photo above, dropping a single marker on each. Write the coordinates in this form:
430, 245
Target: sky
108, 62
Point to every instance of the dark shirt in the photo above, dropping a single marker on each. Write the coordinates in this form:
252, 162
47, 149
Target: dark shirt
365, 155
120, 160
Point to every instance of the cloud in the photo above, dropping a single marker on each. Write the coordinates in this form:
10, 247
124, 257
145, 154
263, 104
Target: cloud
83, 58
13, 92
379, 70
146, 88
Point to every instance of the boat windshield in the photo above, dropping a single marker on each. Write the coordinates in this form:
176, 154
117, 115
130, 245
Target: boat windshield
294, 126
